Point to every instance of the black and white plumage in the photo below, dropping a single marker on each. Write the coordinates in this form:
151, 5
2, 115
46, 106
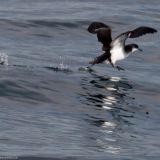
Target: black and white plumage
116, 50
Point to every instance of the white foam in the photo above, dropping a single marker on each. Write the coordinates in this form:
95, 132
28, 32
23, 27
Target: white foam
61, 65
3, 58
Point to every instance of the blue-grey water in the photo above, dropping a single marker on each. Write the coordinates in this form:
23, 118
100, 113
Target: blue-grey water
52, 109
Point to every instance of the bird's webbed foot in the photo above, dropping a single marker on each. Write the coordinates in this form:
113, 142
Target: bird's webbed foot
120, 68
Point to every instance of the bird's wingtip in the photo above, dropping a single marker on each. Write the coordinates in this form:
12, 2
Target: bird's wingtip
155, 30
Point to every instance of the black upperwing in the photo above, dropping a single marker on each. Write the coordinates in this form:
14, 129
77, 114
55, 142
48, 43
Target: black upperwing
103, 32
96, 25
140, 31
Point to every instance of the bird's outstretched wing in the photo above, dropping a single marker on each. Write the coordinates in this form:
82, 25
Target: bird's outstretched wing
101, 58
140, 31
96, 25
103, 32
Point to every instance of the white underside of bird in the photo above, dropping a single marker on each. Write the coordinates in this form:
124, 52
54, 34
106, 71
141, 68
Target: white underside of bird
117, 54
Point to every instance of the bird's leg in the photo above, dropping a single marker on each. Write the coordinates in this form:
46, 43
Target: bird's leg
119, 68
114, 65
110, 61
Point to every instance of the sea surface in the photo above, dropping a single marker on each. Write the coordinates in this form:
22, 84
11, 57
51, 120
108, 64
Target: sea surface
52, 106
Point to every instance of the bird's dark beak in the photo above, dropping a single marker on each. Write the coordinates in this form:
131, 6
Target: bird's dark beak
140, 50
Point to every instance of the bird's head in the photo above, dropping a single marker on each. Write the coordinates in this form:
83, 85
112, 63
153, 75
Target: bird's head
135, 47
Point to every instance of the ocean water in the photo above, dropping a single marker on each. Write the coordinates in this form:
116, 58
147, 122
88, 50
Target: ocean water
51, 107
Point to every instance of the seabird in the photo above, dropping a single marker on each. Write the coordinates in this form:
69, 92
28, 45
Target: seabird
116, 50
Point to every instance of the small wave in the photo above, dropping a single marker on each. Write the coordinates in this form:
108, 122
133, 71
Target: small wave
53, 23
23, 24
11, 24
43, 35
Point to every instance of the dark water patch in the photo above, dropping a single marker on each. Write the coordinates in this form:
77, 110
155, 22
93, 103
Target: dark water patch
59, 69
42, 35
52, 68
58, 24
54, 24
22, 23
19, 66
42, 23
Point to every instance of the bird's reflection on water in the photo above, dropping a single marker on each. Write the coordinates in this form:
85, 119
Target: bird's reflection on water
109, 108
108, 93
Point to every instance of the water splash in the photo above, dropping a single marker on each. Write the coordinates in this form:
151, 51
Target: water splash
63, 66
3, 59
60, 67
